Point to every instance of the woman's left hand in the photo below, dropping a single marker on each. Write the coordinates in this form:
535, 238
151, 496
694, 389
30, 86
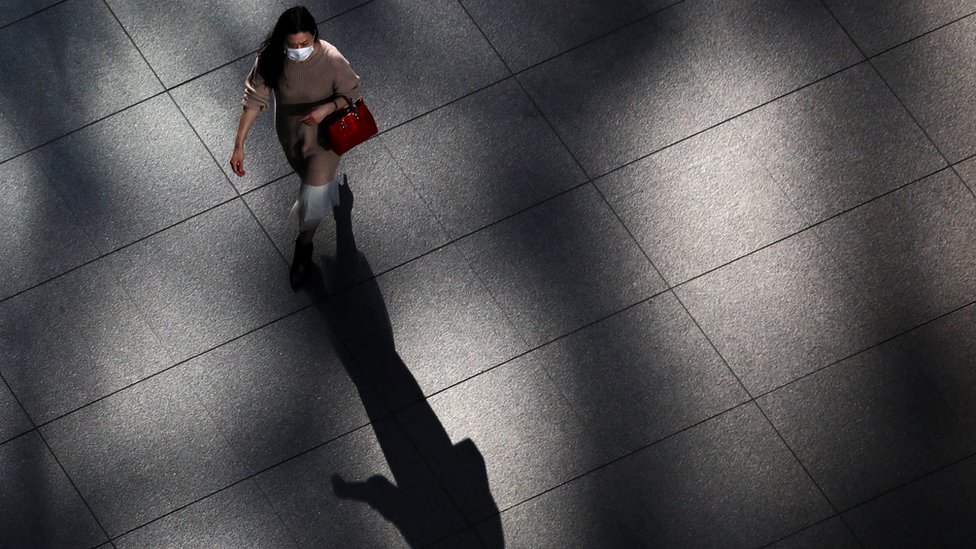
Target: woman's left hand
318, 114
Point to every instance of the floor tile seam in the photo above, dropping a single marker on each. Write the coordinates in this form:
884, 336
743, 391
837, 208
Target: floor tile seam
576, 160
859, 352
134, 45
966, 159
240, 458
624, 456
75, 216
393, 414
729, 120
220, 167
141, 239
971, 188
82, 127
277, 513
633, 238
920, 36
110, 115
525, 93
714, 347
207, 72
500, 220
105, 255
74, 485
843, 28
251, 53
911, 115
20, 404
172, 100
920, 478
165, 89
590, 179
637, 21
435, 249
810, 227
532, 349
431, 469
753, 402
32, 14
805, 218
814, 525
474, 532
878, 321
957, 414
452, 241
179, 363
417, 189
252, 476
182, 507
797, 460
552, 128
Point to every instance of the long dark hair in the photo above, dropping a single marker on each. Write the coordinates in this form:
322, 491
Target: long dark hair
271, 60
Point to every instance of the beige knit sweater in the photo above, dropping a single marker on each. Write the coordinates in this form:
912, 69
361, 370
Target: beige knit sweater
322, 77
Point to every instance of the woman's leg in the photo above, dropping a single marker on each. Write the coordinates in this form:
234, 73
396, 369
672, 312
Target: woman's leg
316, 197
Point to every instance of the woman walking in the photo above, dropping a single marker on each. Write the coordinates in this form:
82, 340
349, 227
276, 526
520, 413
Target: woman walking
310, 80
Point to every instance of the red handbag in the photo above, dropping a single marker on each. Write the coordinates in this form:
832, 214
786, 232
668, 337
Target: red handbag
354, 125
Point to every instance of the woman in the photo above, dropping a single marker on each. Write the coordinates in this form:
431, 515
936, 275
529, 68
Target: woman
310, 80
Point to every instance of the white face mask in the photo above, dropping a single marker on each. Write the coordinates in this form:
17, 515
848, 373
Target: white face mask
299, 54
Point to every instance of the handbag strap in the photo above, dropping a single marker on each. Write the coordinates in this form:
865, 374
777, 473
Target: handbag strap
350, 104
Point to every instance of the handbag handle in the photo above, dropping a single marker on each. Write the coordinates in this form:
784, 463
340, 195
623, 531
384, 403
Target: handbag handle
350, 104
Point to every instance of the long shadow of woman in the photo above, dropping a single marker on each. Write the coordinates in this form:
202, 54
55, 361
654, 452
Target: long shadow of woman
360, 320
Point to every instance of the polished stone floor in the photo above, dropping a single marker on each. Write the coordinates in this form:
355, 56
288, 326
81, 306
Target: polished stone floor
631, 273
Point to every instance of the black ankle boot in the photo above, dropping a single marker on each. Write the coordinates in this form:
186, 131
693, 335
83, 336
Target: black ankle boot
300, 263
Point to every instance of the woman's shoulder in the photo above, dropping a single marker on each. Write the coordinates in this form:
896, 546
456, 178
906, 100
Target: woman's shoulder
326, 46
330, 51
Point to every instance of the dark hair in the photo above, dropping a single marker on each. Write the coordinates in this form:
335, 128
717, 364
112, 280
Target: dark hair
271, 59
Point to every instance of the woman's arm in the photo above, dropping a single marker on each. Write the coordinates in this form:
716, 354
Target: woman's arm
346, 83
256, 99
248, 116
345, 88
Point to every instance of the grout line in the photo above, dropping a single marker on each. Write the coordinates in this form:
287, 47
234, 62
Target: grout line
905, 42
74, 485
143, 238
810, 227
797, 460
863, 351
920, 478
625, 456
82, 127
242, 480
804, 529
614, 30
117, 276
29, 15
234, 451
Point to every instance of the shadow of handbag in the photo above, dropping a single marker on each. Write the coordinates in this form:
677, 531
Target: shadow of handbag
349, 127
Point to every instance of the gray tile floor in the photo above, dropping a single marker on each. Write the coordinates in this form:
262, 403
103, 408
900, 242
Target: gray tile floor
631, 273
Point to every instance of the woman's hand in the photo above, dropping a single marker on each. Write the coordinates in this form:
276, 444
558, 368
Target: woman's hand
237, 161
318, 114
